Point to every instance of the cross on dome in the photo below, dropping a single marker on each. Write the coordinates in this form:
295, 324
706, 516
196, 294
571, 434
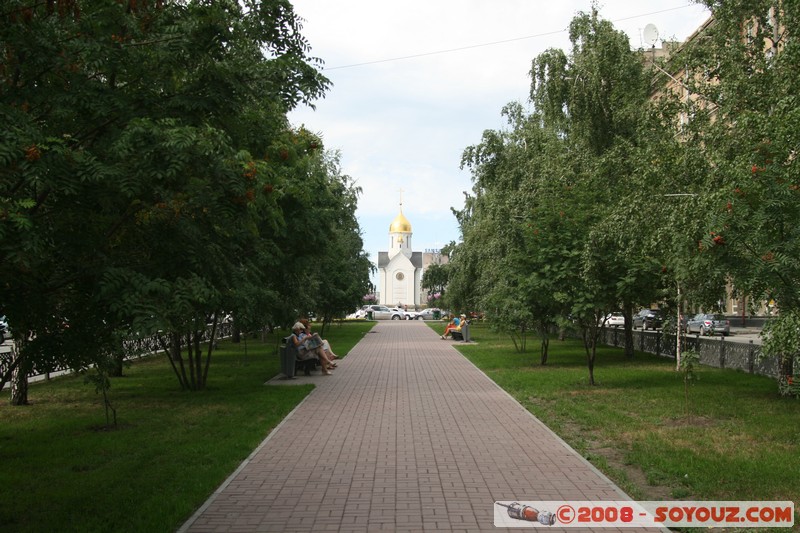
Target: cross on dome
400, 224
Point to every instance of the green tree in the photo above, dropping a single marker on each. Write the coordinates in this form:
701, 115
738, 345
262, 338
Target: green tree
540, 240
593, 99
749, 139
745, 80
342, 267
137, 164
435, 278
509, 213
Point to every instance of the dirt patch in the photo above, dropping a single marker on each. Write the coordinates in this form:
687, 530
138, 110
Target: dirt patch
607, 455
610, 458
633, 474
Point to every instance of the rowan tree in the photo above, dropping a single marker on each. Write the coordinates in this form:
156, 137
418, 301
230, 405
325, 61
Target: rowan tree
744, 80
140, 162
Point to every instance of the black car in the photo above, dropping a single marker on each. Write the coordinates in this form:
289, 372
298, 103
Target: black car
648, 319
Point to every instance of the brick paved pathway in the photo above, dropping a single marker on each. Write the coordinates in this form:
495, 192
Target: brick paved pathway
406, 435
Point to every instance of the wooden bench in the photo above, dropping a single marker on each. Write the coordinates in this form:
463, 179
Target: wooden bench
290, 364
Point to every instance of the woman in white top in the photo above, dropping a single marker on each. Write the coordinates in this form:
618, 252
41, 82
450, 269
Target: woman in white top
325, 344
309, 346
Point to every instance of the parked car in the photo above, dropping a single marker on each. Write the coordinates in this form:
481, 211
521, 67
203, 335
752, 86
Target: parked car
381, 312
429, 314
411, 315
398, 311
358, 313
648, 319
708, 324
614, 320
362, 312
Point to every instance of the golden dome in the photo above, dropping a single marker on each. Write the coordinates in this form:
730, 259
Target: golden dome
400, 224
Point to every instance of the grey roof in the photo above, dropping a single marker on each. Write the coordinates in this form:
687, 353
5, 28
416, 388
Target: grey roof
416, 259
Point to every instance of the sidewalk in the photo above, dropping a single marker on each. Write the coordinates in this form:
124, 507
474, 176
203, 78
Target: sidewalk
406, 435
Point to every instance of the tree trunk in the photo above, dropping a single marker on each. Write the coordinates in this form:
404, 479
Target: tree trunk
590, 345
170, 356
177, 359
627, 312
190, 357
786, 365
545, 348
198, 357
211, 345
116, 367
19, 384
514, 340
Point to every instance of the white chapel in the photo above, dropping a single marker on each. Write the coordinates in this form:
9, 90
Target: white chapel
400, 268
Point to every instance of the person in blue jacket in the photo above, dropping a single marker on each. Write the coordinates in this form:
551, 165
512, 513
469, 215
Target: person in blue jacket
454, 323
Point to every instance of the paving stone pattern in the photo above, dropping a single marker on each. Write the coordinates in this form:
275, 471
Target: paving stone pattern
406, 435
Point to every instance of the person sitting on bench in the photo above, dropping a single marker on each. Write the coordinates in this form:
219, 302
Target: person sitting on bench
454, 323
325, 344
309, 346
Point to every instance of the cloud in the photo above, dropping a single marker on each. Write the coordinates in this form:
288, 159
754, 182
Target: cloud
404, 123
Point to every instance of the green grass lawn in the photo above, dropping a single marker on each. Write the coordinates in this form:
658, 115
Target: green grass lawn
63, 471
741, 442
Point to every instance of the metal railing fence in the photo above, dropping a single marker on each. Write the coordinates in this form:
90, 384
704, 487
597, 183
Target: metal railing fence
718, 352
133, 347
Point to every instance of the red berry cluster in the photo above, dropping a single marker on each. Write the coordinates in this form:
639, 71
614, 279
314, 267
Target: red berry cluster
32, 153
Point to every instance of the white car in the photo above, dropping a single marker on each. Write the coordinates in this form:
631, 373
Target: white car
361, 313
398, 311
381, 312
614, 320
412, 315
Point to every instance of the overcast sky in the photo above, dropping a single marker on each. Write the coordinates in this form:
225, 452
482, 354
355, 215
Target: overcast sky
418, 81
